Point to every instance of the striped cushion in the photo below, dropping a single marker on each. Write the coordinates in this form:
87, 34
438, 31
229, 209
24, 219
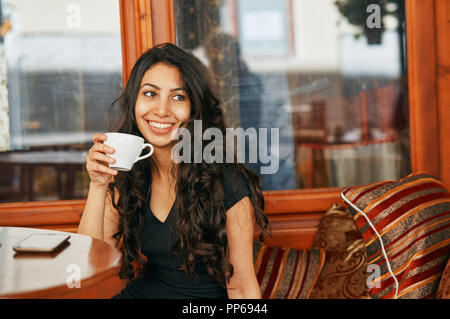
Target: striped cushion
412, 217
286, 273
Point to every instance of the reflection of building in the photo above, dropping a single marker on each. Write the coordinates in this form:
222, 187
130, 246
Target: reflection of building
64, 71
62, 75
299, 67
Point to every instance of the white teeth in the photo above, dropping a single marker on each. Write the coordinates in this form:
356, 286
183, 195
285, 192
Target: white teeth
160, 125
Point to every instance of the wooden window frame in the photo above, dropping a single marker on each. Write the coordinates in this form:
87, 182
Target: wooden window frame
145, 23
427, 128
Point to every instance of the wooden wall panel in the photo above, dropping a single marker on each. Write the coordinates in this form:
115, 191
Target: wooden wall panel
57, 214
301, 200
292, 215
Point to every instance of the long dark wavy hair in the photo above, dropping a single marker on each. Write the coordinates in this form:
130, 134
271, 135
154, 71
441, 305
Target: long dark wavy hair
199, 199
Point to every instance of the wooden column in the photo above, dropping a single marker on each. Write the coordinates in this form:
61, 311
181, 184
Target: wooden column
443, 84
144, 23
423, 101
163, 21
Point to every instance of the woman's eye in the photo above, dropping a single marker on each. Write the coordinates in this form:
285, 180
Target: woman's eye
179, 97
150, 94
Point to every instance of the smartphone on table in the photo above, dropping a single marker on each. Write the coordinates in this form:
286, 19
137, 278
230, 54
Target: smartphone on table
41, 242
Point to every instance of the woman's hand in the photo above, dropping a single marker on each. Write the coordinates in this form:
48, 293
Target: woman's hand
97, 162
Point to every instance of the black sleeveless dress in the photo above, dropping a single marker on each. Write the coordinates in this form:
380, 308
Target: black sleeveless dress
163, 280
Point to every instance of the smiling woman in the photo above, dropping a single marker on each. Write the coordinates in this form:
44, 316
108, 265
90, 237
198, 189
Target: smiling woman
188, 227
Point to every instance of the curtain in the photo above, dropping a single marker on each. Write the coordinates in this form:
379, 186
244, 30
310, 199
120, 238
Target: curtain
347, 165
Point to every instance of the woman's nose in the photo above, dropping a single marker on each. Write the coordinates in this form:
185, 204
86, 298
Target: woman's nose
162, 108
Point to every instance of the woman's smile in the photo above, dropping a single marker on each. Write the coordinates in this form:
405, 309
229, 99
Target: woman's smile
161, 127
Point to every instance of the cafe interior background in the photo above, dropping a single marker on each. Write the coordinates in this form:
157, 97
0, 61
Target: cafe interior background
353, 104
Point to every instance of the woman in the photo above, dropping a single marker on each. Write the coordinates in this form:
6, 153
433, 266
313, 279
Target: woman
185, 230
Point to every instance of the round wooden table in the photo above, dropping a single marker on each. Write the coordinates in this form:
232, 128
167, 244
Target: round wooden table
55, 275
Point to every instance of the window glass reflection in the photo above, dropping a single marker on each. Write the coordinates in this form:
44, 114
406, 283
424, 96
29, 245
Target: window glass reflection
64, 69
331, 75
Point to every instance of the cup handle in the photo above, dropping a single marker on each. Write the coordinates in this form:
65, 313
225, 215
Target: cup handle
146, 155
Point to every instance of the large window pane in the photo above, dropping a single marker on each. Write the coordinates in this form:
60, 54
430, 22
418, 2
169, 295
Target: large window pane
64, 69
331, 75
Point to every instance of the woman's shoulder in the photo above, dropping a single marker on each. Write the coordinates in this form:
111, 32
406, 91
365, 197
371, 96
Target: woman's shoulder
235, 185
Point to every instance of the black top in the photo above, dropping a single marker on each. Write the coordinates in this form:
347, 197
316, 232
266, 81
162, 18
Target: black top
162, 279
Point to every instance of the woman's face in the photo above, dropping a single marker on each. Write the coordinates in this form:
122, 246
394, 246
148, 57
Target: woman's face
162, 104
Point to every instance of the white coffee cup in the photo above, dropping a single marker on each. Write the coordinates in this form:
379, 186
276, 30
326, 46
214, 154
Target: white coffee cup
127, 150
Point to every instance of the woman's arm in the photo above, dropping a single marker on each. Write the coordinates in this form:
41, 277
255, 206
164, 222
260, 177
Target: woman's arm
99, 219
91, 222
240, 226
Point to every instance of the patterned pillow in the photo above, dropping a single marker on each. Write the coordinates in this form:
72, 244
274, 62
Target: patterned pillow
412, 221
287, 273
344, 274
